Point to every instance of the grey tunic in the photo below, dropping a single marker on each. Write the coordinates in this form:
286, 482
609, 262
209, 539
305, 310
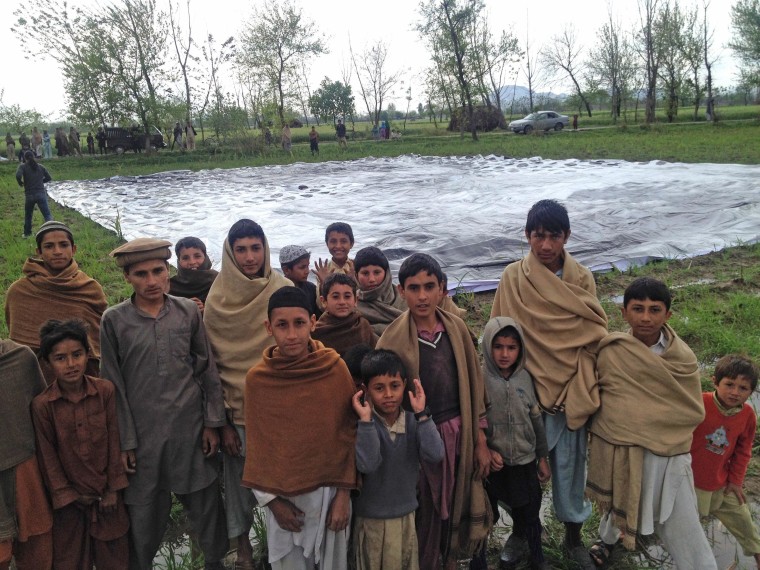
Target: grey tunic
167, 390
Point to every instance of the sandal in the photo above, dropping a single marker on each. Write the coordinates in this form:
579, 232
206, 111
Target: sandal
580, 556
601, 552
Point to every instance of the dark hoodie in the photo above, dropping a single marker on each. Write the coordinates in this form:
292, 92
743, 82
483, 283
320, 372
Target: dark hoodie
515, 426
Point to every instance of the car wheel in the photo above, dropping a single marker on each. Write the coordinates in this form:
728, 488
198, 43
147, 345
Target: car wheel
558, 127
119, 149
527, 129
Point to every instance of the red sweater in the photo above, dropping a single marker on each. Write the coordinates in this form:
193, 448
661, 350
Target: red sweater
722, 446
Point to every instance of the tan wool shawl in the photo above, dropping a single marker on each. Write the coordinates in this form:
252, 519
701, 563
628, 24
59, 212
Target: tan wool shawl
300, 424
563, 322
341, 334
648, 402
470, 519
382, 305
234, 315
40, 295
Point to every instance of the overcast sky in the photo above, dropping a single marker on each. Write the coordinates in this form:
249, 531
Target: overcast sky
37, 83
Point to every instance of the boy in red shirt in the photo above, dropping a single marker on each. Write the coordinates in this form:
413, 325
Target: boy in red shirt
722, 447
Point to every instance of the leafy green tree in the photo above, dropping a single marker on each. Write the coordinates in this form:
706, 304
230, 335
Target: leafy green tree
15, 119
333, 99
745, 18
376, 81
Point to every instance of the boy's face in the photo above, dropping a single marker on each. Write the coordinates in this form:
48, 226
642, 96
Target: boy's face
370, 277
646, 318
191, 258
291, 328
733, 392
338, 244
386, 393
548, 247
149, 279
340, 301
68, 359
298, 272
249, 255
56, 251
505, 351
422, 293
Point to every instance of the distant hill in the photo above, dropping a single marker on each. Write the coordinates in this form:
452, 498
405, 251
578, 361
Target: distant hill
521, 94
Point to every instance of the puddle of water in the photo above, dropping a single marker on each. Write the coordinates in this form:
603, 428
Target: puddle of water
468, 212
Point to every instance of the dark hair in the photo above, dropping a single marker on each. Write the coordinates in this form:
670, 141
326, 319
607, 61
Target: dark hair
370, 256
29, 159
419, 262
288, 296
40, 236
245, 228
190, 241
645, 288
549, 215
509, 332
735, 365
54, 331
337, 279
341, 228
353, 359
382, 362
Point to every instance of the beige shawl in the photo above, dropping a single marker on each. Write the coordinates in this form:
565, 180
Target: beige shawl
563, 322
470, 519
648, 402
235, 311
382, 305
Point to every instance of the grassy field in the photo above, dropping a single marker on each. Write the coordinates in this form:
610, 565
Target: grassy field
716, 297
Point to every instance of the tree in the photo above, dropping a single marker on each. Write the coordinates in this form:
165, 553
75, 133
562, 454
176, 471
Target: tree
216, 56
707, 44
332, 100
182, 47
671, 28
446, 24
650, 50
375, 80
745, 19
276, 42
563, 54
15, 119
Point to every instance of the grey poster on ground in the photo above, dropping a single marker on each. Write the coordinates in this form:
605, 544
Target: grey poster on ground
467, 212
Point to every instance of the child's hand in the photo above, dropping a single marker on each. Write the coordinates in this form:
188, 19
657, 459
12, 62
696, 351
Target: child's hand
321, 269
363, 410
128, 461
231, 443
544, 472
288, 516
417, 397
199, 303
338, 514
482, 457
497, 461
108, 502
210, 441
736, 490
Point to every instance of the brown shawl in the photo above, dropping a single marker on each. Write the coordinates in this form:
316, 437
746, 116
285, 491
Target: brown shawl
665, 393
448, 305
39, 296
470, 519
193, 283
343, 334
234, 315
300, 425
20, 381
382, 305
563, 322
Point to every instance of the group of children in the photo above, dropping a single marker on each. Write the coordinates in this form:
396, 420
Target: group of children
360, 417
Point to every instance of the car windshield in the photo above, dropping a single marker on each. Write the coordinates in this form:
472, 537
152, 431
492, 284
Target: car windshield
531, 117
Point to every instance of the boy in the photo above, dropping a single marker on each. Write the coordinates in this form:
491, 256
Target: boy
390, 444
339, 238
377, 300
301, 432
516, 439
722, 447
169, 404
81, 467
53, 287
26, 520
236, 309
341, 326
194, 274
640, 473
553, 297
294, 262
454, 519
314, 141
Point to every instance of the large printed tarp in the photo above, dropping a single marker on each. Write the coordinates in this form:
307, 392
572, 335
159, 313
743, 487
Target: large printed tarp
467, 212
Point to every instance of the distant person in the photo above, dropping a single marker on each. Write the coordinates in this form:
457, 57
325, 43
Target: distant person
137, 139
340, 132
383, 128
90, 144
47, 149
32, 177
190, 134
10, 146
177, 136
26, 144
314, 141
575, 122
286, 140
268, 137
36, 143
194, 274
101, 138
76, 147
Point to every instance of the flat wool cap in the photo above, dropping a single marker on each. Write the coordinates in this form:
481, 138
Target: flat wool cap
290, 253
141, 249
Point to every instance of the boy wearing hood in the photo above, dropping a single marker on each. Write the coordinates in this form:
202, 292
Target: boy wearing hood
516, 440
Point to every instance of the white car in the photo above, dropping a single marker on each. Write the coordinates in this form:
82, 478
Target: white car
540, 121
